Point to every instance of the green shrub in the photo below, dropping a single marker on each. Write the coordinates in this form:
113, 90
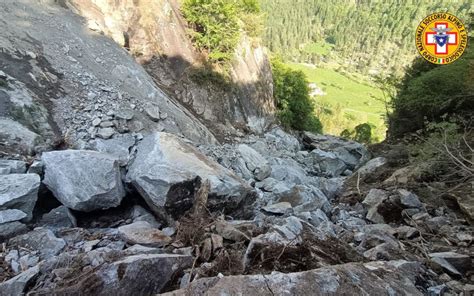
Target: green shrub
291, 93
216, 25
431, 93
207, 75
363, 133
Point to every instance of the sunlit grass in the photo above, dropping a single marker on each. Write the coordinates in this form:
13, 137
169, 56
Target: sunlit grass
360, 101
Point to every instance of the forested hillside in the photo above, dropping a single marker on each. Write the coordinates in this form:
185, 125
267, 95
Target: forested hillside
364, 36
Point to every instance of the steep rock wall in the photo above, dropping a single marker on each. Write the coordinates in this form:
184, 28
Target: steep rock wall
61, 83
155, 33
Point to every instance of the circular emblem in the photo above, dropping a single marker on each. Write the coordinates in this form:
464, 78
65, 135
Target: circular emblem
441, 38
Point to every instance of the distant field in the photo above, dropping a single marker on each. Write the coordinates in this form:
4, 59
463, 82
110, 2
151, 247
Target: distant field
358, 101
321, 48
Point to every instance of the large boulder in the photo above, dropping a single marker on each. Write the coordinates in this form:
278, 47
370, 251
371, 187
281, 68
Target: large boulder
353, 154
7, 216
12, 167
373, 200
17, 285
328, 162
454, 263
371, 166
119, 147
15, 137
83, 180
280, 140
167, 171
60, 217
143, 233
305, 198
255, 162
11, 229
143, 274
42, 240
375, 278
19, 191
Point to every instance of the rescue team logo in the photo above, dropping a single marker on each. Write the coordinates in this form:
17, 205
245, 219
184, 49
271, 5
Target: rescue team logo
441, 38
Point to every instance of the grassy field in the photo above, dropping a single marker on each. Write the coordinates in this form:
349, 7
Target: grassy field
321, 48
351, 101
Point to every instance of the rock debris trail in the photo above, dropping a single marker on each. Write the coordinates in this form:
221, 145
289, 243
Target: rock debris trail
271, 215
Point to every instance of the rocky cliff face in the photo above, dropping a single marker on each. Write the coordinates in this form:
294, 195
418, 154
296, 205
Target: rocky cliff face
155, 33
64, 83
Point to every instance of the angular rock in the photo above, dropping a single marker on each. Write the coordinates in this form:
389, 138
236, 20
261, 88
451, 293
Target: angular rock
353, 154
409, 199
125, 114
106, 132
437, 290
377, 278
384, 251
328, 162
374, 198
255, 162
60, 217
138, 213
16, 137
282, 140
18, 284
12, 167
19, 191
153, 112
11, 229
144, 274
314, 218
371, 166
143, 233
167, 171
229, 232
305, 198
40, 239
118, 147
11, 215
290, 173
330, 187
83, 180
36, 168
452, 262
280, 208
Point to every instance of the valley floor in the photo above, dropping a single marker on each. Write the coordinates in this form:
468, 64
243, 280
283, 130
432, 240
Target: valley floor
348, 101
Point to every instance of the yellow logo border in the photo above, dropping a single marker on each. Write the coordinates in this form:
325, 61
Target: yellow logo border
441, 59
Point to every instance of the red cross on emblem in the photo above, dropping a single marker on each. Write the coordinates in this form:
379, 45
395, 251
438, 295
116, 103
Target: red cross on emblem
452, 39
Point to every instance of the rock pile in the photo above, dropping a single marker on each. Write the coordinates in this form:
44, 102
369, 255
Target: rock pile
156, 214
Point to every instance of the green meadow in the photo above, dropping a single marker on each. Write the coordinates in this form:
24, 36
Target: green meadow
348, 100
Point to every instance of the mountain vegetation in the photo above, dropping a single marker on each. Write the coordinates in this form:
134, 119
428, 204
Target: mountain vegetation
291, 92
344, 101
216, 25
364, 36
433, 93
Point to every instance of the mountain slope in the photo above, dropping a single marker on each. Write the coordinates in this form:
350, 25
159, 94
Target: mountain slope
367, 36
82, 82
157, 35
